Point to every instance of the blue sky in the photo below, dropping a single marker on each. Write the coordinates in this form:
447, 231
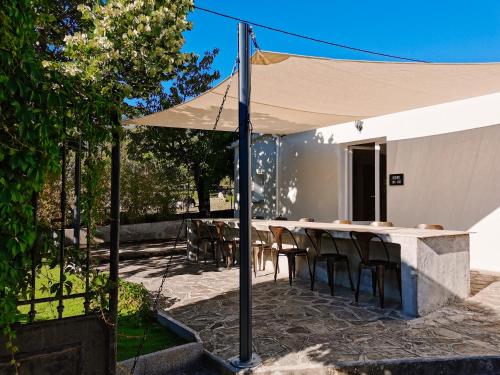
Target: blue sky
434, 30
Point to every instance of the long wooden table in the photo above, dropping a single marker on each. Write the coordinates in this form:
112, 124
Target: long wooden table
434, 264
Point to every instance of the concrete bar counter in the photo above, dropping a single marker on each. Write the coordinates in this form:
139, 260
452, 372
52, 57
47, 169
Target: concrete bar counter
434, 263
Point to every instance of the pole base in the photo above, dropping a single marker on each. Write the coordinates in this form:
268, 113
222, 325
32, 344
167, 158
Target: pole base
253, 362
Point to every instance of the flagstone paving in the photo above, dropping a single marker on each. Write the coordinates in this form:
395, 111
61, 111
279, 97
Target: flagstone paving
293, 326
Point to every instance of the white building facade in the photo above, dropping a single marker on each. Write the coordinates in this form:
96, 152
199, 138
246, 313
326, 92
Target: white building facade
433, 165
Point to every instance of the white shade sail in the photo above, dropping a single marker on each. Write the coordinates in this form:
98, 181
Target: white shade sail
292, 93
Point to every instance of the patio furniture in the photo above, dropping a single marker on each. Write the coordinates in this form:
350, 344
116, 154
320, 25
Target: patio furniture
385, 224
341, 221
260, 245
363, 243
226, 245
204, 236
316, 236
307, 219
430, 226
291, 251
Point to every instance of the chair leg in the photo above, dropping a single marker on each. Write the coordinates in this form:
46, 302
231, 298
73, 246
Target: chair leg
262, 260
356, 295
293, 266
398, 277
205, 253
332, 273
276, 265
374, 282
260, 257
313, 278
255, 260
380, 278
290, 267
328, 272
349, 274
216, 256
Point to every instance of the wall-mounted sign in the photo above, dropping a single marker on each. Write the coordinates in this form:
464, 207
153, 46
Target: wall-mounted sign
397, 179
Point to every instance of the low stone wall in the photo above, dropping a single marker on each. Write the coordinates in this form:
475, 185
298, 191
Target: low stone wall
76, 345
162, 230
171, 360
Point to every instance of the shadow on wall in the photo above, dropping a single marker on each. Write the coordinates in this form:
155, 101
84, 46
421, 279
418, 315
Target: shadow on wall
263, 155
309, 177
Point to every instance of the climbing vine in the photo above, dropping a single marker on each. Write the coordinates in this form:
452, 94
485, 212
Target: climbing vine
66, 68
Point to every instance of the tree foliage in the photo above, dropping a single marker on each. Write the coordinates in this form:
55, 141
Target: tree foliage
204, 153
65, 69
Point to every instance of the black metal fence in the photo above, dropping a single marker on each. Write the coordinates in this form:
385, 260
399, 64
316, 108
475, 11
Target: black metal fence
59, 226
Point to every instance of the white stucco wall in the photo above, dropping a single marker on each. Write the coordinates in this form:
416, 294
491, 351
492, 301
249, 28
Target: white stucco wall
308, 177
454, 180
263, 177
449, 153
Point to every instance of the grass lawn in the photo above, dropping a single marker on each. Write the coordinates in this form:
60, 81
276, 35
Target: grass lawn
132, 315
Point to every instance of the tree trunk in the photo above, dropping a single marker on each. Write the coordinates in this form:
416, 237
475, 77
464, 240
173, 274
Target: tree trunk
203, 191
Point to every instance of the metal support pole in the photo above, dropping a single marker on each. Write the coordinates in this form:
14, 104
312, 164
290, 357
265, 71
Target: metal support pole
78, 179
115, 243
246, 359
32, 312
62, 235
86, 303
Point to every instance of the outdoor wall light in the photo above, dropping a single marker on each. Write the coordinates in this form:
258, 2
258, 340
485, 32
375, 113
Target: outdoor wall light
359, 125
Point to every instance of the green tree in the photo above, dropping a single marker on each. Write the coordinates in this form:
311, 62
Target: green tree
204, 153
65, 69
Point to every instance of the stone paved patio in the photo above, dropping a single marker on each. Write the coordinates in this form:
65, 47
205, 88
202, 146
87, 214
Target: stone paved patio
296, 327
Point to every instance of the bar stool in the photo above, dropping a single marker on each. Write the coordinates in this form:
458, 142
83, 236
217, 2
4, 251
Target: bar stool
227, 246
259, 246
290, 251
430, 226
381, 224
316, 236
362, 242
341, 221
204, 236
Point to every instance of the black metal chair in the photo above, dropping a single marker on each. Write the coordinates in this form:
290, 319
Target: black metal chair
363, 242
291, 251
316, 237
204, 236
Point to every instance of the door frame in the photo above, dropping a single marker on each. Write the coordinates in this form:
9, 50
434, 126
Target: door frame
348, 180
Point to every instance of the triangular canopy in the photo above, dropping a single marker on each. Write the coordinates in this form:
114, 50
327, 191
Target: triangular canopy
292, 93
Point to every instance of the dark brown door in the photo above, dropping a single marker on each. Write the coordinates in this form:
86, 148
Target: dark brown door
363, 182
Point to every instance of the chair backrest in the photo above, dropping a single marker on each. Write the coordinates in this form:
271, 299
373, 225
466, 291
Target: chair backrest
258, 236
307, 219
362, 241
278, 233
220, 230
430, 226
279, 217
381, 224
316, 236
200, 228
342, 221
